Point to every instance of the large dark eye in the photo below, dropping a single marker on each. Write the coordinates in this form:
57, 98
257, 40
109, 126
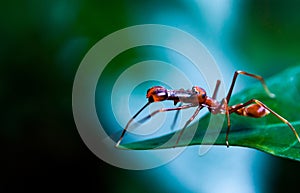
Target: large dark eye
203, 95
194, 89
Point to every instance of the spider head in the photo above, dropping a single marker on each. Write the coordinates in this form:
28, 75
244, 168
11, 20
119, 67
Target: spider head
157, 93
200, 92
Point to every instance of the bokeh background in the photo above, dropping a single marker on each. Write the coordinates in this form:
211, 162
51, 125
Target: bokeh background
42, 44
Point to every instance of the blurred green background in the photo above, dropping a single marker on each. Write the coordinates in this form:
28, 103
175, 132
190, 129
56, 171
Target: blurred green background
42, 44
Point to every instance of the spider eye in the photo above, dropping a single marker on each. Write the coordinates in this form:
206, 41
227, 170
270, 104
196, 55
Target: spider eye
203, 95
195, 90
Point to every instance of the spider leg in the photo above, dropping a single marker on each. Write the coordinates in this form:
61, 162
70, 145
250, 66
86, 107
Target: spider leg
175, 117
224, 102
251, 75
188, 122
149, 116
214, 96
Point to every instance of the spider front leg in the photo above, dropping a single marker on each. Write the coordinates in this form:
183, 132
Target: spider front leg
149, 116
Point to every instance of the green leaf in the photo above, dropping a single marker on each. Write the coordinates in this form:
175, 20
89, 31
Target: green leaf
268, 134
